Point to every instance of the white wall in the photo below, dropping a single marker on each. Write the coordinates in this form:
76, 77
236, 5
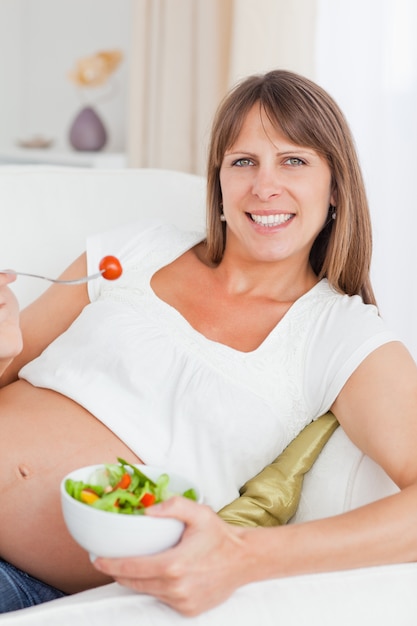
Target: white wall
10, 68
372, 73
40, 40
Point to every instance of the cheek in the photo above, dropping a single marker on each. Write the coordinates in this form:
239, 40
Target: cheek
230, 191
235, 183
324, 196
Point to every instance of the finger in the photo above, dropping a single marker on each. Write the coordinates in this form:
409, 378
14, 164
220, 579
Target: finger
176, 598
139, 568
158, 590
150, 586
181, 508
192, 514
6, 278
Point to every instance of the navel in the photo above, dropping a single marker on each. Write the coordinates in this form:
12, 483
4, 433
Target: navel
23, 471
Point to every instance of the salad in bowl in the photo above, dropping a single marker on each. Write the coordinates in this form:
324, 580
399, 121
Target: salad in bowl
104, 508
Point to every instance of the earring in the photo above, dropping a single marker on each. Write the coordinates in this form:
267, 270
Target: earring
333, 209
222, 217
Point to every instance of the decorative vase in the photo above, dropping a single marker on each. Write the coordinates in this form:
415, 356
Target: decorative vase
87, 132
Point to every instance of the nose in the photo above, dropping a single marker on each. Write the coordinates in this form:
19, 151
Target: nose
267, 183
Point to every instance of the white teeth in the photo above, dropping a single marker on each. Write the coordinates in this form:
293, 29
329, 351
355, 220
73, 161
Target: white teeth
271, 220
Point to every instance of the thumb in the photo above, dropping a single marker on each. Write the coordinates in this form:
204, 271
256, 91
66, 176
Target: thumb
180, 508
7, 277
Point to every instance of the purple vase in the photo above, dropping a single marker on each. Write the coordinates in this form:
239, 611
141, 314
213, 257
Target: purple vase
87, 132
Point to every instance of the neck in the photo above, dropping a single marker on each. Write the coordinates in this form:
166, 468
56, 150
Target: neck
279, 280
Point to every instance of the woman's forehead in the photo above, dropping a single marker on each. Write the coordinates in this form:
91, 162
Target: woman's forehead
258, 121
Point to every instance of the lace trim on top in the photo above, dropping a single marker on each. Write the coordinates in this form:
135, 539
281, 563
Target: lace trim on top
278, 355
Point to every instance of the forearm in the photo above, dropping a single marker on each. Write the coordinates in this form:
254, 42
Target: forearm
48, 317
10, 347
383, 532
4, 363
10, 333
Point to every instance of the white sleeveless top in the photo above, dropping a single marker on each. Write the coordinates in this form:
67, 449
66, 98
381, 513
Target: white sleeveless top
184, 402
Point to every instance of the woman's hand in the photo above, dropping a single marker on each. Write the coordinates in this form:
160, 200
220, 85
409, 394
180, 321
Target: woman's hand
10, 335
201, 571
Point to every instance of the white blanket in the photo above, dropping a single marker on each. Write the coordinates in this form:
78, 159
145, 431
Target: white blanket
385, 596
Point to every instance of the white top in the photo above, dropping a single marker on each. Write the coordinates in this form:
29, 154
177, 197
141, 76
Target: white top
187, 403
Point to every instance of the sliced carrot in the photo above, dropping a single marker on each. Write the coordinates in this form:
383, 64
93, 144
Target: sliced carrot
124, 482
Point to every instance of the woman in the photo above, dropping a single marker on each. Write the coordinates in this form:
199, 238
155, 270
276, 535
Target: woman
252, 332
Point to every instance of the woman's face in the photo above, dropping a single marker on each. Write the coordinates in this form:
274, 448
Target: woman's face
276, 194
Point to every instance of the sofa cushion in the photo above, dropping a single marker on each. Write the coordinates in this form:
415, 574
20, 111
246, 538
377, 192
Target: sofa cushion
271, 498
341, 479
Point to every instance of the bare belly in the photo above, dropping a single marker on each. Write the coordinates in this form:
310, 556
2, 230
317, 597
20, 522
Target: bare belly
44, 435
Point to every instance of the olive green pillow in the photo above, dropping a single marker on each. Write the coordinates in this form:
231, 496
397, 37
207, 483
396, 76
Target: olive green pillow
271, 498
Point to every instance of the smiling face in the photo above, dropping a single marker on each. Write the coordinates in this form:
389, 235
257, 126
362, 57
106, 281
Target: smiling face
276, 194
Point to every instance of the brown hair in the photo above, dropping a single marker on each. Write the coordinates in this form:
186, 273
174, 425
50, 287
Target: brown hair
309, 117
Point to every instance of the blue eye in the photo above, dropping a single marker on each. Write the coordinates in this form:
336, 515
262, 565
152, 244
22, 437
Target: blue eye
243, 162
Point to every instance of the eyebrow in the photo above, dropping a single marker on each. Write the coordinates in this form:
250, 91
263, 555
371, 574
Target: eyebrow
287, 152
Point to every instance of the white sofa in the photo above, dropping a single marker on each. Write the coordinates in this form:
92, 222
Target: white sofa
45, 214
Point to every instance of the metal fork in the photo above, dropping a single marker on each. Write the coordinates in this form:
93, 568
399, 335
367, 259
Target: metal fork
73, 281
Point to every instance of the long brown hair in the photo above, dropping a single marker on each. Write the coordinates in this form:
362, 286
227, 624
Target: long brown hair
309, 117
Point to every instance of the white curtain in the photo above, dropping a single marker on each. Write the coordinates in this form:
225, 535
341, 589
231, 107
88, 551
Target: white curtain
176, 77
185, 56
269, 34
366, 57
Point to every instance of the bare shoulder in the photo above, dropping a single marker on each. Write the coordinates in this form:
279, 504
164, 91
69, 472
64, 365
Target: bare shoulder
377, 408
185, 270
192, 260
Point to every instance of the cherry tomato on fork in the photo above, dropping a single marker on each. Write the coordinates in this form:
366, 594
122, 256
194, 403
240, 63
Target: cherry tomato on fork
110, 267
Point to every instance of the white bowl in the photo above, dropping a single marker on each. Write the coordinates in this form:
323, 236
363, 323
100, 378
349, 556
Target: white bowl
103, 533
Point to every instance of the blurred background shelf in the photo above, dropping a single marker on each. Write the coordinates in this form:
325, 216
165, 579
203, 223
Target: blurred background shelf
25, 156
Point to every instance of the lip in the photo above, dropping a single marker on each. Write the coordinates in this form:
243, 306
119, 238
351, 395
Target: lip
270, 227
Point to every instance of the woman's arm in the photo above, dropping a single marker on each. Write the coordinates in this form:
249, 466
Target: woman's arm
378, 409
49, 316
10, 334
